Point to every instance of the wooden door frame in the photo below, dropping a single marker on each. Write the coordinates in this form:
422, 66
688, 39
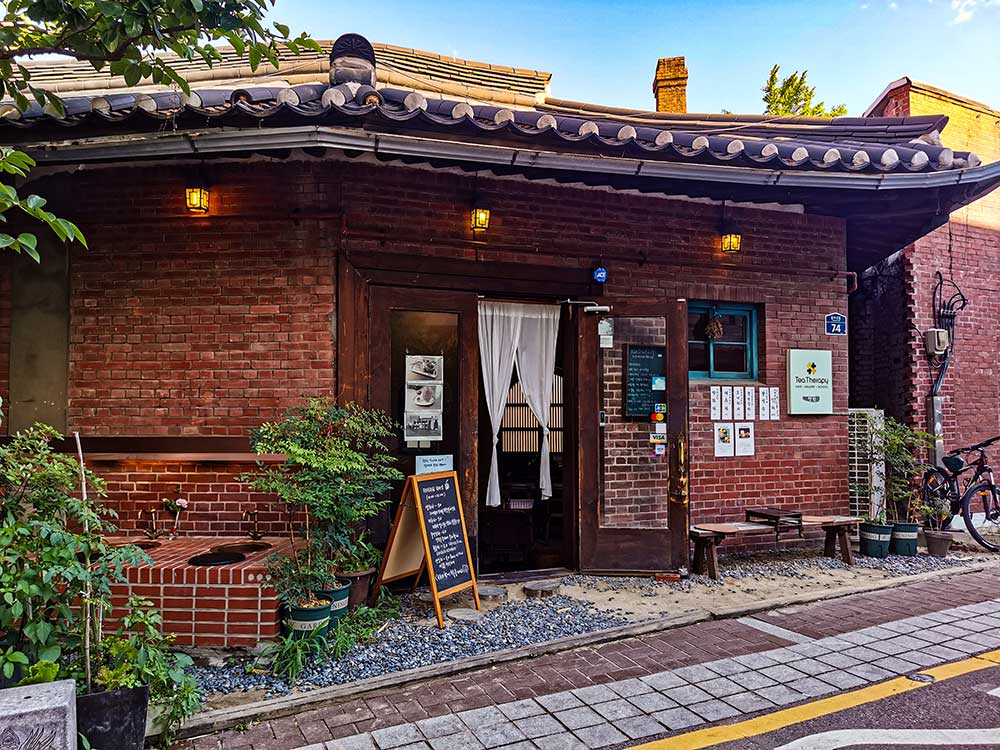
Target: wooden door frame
383, 300
621, 549
360, 270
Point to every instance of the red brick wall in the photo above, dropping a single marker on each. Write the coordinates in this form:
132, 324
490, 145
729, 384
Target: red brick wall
208, 326
216, 500
635, 480
894, 373
195, 326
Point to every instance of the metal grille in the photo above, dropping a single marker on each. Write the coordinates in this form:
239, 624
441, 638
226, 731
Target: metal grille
520, 431
866, 469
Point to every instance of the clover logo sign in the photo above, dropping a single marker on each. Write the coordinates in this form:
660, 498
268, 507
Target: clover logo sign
811, 368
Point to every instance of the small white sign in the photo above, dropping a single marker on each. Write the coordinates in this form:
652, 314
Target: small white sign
775, 404
661, 428
749, 397
659, 383
727, 402
724, 444
435, 464
810, 381
738, 403
716, 394
765, 404
744, 439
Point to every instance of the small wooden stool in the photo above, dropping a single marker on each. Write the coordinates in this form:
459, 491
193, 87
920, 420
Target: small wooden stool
837, 529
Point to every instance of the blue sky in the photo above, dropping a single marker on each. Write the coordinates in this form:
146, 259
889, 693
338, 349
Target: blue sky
605, 52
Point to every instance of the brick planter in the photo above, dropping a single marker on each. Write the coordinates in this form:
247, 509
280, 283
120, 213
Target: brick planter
205, 606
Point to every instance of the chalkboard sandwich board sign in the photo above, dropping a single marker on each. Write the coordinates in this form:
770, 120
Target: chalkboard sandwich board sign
429, 532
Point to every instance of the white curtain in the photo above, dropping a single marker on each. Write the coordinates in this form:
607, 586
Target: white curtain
499, 331
536, 363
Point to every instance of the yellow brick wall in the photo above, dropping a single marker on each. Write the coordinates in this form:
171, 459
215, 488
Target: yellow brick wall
970, 128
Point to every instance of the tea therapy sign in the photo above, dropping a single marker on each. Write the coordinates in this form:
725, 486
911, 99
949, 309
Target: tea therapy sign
810, 381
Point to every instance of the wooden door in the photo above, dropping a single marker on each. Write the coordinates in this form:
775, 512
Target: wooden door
633, 503
407, 326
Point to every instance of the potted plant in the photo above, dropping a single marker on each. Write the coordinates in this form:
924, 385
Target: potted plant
893, 448
294, 577
56, 572
357, 564
936, 510
336, 474
875, 534
136, 665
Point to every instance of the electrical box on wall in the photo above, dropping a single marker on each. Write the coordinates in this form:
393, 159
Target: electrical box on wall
935, 341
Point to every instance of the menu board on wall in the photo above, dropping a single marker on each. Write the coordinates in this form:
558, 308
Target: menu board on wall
644, 372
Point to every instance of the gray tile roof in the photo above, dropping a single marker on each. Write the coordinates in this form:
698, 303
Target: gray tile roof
842, 144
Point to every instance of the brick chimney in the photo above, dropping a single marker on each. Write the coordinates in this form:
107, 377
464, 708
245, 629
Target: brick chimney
670, 85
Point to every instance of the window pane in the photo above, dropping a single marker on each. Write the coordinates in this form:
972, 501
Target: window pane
698, 356
696, 326
730, 358
734, 328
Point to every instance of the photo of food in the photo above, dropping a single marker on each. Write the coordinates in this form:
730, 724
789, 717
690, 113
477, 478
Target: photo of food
424, 398
725, 435
422, 427
424, 369
744, 433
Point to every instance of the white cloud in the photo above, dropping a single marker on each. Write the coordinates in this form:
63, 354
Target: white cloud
893, 5
966, 9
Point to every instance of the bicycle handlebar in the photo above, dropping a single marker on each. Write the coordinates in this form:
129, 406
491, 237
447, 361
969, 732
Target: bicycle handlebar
976, 447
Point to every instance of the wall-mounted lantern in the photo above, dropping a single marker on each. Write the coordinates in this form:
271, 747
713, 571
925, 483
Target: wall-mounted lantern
732, 240
480, 215
196, 197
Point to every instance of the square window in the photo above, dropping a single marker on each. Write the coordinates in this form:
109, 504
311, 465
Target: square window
722, 341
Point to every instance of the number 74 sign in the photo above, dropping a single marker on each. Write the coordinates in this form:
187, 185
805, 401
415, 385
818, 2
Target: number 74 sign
836, 324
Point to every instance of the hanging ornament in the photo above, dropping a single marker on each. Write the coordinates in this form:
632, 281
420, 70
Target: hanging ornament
713, 329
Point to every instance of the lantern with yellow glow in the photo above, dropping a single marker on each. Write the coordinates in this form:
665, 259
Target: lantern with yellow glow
732, 240
480, 218
196, 198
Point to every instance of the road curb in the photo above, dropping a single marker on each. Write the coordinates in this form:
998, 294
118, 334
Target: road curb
226, 718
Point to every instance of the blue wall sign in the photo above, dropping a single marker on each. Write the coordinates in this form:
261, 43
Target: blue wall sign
600, 274
836, 324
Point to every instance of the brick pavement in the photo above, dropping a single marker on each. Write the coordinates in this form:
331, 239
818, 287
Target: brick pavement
594, 670
850, 613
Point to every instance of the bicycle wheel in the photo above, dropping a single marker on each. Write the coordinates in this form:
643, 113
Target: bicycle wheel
981, 513
936, 492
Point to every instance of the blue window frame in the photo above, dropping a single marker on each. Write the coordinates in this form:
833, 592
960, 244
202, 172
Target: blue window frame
731, 355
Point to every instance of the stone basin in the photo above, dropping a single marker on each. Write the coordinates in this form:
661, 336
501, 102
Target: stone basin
244, 548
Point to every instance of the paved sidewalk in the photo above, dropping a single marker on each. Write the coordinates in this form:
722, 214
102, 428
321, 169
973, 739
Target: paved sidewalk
638, 688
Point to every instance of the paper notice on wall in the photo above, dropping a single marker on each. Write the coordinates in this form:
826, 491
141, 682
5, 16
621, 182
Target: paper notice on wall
738, 403
724, 445
765, 403
775, 404
750, 402
716, 393
727, 402
744, 439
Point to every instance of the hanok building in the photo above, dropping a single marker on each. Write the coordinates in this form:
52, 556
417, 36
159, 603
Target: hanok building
636, 310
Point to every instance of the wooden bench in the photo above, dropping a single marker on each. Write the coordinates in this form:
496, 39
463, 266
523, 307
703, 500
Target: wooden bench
708, 536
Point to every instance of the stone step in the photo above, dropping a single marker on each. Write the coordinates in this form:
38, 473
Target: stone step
541, 589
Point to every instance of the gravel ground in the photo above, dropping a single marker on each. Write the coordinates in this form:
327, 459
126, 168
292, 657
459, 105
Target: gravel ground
409, 643
800, 564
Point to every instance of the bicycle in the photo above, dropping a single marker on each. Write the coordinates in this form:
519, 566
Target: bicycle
978, 501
